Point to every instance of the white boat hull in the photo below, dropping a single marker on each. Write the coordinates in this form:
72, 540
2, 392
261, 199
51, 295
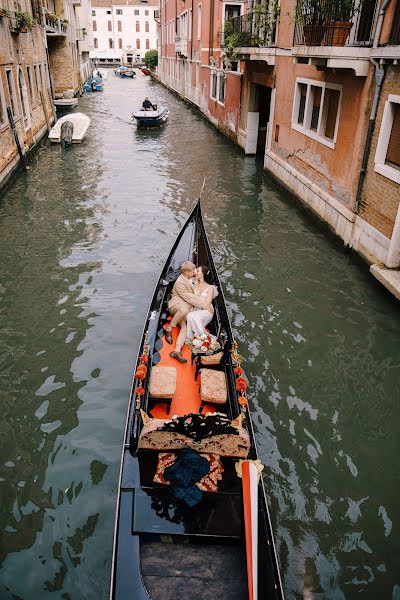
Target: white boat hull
66, 102
81, 123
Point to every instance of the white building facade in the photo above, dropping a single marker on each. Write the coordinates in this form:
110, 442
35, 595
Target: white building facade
123, 31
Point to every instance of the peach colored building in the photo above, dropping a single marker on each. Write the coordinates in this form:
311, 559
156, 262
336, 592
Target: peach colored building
315, 88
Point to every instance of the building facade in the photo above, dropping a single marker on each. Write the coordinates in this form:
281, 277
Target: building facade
313, 87
25, 92
123, 31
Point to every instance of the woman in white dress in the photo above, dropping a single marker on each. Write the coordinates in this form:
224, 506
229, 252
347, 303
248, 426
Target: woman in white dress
198, 318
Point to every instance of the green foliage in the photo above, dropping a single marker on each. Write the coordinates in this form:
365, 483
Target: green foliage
4, 12
25, 20
151, 58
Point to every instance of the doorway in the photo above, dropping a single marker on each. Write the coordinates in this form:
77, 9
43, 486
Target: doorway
263, 105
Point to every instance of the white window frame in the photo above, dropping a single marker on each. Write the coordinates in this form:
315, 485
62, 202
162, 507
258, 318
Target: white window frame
3, 124
305, 128
31, 84
23, 96
218, 73
383, 141
13, 95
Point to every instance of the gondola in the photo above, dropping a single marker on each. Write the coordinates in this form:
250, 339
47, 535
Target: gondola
223, 547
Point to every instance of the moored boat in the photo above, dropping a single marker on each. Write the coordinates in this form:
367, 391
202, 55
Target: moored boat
80, 123
145, 70
151, 118
222, 546
127, 73
65, 103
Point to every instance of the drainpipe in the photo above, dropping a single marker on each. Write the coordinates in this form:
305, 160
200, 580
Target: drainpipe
379, 76
211, 42
191, 35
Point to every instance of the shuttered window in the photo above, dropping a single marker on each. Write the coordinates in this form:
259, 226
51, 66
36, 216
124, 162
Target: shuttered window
393, 151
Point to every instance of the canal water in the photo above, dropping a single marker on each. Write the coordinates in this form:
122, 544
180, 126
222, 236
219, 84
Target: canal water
83, 237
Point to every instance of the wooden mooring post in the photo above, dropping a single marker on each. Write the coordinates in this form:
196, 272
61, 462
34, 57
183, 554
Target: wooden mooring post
15, 134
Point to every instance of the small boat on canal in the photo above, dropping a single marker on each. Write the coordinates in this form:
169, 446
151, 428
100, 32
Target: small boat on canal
145, 70
151, 118
80, 124
65, 103
127, 73
214, 539
94, 84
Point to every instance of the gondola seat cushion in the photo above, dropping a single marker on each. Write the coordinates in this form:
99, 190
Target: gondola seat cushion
213, 386
162, 382
221, 436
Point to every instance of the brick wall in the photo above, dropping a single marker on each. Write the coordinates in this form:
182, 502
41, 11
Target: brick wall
381, 196
63, 65
23, 52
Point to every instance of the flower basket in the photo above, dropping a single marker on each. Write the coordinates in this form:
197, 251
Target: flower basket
204, 344
339, 32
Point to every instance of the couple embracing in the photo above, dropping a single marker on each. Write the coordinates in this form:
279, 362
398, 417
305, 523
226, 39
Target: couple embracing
190, 306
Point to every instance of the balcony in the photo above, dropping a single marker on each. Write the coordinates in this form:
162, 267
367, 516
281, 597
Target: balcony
252, 36
335, 34
53, 25
181, 45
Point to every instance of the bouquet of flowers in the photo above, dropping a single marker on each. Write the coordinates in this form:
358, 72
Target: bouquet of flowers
204, 343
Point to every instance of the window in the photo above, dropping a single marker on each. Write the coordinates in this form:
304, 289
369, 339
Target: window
22, 95
30, 84
119, 26
110, 43
316, 110
120, 43
146, 27
190, 24
213, 86
199, 22
94, 25
137, 44
147, 44
221, 88
137, 26
36, 81
387, 157
108, 12
136, 12
119, 11
41, 79
3, 110
11, 92
95, 43
93, 13
146, 13
109, 26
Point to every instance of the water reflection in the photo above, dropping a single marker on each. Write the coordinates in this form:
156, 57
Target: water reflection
83, 237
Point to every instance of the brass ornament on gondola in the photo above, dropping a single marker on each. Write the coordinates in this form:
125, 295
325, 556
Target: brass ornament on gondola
141, 373
241, 383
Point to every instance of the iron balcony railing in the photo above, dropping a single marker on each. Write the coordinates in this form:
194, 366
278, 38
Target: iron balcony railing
53, 25
340, 23
395, 33
252, 30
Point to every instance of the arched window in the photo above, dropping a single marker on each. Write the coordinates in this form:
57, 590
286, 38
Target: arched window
137, 26
95, 42
146, 27
119, 26
147, 44
138, 44
109, 26
94, 25
110, 43
120, 43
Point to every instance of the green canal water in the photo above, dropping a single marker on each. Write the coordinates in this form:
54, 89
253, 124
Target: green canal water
83, 237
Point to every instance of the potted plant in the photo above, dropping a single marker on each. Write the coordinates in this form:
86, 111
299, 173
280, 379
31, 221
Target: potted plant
25, 21
339, 28
4, 12
308, 13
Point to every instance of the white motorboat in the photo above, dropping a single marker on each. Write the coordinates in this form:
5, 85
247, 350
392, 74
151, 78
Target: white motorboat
80, 123
151, 118
66, 102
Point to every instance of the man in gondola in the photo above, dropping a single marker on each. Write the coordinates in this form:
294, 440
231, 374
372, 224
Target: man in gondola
182, 300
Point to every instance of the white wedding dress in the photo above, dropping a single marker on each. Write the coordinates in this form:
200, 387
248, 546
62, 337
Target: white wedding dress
198, 318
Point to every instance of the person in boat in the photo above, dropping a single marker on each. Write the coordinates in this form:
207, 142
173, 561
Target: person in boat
198, 318
147, 105
183, 299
